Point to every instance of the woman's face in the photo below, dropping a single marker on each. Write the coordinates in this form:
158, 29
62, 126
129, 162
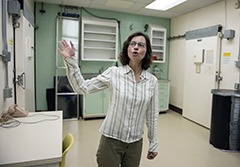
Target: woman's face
137, 49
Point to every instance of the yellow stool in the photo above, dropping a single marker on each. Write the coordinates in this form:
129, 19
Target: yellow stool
67, 144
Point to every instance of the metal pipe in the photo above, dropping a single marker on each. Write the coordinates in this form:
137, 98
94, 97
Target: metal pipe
4, 24
220, 61
7, 92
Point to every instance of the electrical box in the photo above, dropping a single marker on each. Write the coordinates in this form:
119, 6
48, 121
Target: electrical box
198, 56
229, 34
14, 8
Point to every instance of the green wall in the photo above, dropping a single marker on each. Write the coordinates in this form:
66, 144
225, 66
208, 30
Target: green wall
46, 44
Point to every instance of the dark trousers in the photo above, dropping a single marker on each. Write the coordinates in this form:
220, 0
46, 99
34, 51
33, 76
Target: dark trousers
115, 153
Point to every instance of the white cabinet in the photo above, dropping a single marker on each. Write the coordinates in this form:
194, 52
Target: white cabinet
157, 36
164, 90
99, 40
95, 104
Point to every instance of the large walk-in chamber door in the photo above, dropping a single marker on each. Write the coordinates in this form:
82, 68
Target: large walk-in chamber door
24, 57
201, 66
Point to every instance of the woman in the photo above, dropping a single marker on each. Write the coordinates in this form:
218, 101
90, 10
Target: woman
133, 101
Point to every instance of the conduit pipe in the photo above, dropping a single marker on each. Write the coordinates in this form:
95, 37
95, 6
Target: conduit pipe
7, 92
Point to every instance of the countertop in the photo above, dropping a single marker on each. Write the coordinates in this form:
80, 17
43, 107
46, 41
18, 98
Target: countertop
226, 92
36, 141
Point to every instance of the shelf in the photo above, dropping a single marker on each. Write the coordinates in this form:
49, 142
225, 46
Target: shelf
101, 33
63, 94
156, 50
157, 36
98, 48
99, 40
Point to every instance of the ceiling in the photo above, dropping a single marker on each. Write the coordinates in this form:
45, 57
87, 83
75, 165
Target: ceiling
135, 6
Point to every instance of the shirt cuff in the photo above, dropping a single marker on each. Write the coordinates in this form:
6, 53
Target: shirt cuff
153, 147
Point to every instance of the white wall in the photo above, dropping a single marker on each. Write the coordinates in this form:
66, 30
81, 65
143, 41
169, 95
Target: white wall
223, 13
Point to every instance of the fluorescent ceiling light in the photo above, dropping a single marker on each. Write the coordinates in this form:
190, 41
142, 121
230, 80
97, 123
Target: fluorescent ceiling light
164, 4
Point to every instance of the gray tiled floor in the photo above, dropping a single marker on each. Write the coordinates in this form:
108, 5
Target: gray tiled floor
182, 144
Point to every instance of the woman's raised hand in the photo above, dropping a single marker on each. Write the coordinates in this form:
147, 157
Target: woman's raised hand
65, 50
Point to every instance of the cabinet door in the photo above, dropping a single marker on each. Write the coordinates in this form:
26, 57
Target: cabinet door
93, 105
25, 93
164, 95
96, 104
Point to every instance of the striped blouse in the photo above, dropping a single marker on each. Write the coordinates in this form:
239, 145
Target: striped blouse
131, 103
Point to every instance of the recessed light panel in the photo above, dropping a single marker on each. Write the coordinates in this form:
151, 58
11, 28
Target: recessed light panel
164, 4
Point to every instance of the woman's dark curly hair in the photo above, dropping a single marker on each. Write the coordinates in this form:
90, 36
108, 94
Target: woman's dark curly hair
147, 60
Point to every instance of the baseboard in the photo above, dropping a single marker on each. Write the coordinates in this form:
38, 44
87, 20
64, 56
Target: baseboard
176, 109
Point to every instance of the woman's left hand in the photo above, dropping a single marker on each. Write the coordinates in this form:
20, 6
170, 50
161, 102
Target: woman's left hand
152, 155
